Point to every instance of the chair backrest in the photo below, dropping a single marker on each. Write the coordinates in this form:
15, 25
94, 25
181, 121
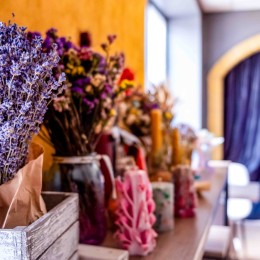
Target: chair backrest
238, 174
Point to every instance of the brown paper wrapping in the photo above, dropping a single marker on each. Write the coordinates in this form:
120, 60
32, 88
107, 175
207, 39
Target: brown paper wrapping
20, 198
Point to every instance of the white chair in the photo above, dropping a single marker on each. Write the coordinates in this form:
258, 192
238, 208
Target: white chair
242, 193
239, 183
238, 175
219, 237
238, 178
238, 209
218, 242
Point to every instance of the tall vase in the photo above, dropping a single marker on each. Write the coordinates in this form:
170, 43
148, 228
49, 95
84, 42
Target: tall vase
106, 145
83, 175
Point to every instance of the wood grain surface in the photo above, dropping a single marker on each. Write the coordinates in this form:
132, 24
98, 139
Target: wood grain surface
186, 241
65, 246
43, 232
75, 256
44, 237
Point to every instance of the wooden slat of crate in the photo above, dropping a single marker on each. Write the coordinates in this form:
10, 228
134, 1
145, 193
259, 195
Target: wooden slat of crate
65, 246
23, 243
75, 256
42, 233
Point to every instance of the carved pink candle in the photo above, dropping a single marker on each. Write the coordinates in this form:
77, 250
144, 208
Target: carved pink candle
135, 216
185, 196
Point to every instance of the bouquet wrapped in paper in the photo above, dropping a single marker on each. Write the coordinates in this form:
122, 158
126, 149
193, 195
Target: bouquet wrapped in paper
22, 195
27, 85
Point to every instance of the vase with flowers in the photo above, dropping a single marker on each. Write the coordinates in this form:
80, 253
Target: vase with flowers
75, 121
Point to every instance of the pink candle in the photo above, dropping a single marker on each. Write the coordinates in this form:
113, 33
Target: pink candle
135, 216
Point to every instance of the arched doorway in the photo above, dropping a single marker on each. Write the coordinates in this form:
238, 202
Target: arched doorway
215, 84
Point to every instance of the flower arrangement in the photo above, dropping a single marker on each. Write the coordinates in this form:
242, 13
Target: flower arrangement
137, 107
135, 113
27, 85
161, 96
77, 118
188, 140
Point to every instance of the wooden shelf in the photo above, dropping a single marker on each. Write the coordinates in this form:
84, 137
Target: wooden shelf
186, 241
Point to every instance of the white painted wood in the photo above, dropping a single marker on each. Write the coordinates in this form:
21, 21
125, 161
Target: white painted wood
87, 252
65, 246
29, 243
12, 245
75, 256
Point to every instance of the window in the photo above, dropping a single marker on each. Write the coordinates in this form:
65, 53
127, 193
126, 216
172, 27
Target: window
156, 46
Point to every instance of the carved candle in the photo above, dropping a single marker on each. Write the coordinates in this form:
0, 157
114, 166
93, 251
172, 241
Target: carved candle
185, 195
163, 197
134, 217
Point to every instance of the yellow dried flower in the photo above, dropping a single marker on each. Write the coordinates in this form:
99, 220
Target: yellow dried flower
126, 83
168, 115
113, 112
134, 111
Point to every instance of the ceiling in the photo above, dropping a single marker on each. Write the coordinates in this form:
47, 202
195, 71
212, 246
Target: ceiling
213, 6
175, 8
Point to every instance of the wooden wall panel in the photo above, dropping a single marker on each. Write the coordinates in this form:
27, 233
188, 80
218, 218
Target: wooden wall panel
101, 17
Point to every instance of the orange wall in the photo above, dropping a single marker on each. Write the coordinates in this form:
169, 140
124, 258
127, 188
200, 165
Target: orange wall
100, 17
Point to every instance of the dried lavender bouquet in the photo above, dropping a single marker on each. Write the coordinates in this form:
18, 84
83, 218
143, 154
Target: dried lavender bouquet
27, 85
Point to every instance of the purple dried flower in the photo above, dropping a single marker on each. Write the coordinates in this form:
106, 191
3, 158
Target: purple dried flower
77, 90
85, 39
63, 45
111, 38
104, 46
92, 78
103, 95
32, 35
82, 82
27, 85
108, 89
153, 106
89, 104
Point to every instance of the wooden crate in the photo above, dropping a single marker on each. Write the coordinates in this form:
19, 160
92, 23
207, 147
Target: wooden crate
53, 236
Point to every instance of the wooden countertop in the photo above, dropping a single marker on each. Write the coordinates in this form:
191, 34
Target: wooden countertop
186, 241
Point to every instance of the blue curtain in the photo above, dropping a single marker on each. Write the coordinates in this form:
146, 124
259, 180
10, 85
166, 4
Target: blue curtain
242, 115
